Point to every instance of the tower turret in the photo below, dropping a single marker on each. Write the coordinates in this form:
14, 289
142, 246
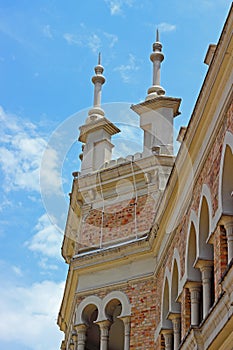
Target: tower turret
157, 111
97, 131
98, 80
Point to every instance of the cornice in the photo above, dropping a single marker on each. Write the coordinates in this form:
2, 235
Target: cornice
156, 103
115, 254
101, 123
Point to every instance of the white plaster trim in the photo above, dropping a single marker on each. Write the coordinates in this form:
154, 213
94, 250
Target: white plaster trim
92, 299
176, 257
205, 193
193, 219
126, 307
157, 331
228, 141
101, 305
167, 277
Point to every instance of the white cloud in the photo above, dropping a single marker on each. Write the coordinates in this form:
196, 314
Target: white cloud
17, 270
91, 40
127, 69
113, 39
166, 27
116, 6
72, 39
5, 203
21, 152
94, 43
30, 314
45, 265
47, 239
47, 31
50, 172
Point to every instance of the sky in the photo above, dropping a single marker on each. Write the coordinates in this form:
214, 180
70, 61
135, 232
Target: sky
48, 50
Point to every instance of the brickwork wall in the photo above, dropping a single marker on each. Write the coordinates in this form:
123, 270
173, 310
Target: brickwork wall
146, 295
117, 222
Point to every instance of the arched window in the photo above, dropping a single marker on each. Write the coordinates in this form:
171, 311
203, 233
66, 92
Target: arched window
103, 323
175, 306
89, 316
191, 305
167, 328
116, 333
227, 200
166, 323
193, 274
206, 258
205, 249
227, 182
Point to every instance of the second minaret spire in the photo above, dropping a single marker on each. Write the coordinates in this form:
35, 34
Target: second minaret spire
98, 80
156, 57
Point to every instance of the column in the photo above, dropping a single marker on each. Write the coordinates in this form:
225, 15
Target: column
74, 338
176, 319
206, 275
195, 296
168, 339
81, 332
229, 232
126, 321
104, 334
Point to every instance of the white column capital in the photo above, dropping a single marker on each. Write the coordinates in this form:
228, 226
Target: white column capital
168, 337
195, 296
81, 330
227, 222
176, 323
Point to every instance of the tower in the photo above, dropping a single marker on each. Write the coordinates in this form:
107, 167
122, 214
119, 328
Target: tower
158, 110
97, 131
150, 249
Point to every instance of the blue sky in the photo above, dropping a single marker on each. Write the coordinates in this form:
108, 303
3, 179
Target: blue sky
47, 53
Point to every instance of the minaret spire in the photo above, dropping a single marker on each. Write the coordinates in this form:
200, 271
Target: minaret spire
157, 112
98, 80
156, 57
157, 35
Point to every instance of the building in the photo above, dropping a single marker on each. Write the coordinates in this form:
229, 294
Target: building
149, 237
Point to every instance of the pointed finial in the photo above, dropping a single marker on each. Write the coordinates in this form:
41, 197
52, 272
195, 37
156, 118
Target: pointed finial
156, 57
99, 59
157, 34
